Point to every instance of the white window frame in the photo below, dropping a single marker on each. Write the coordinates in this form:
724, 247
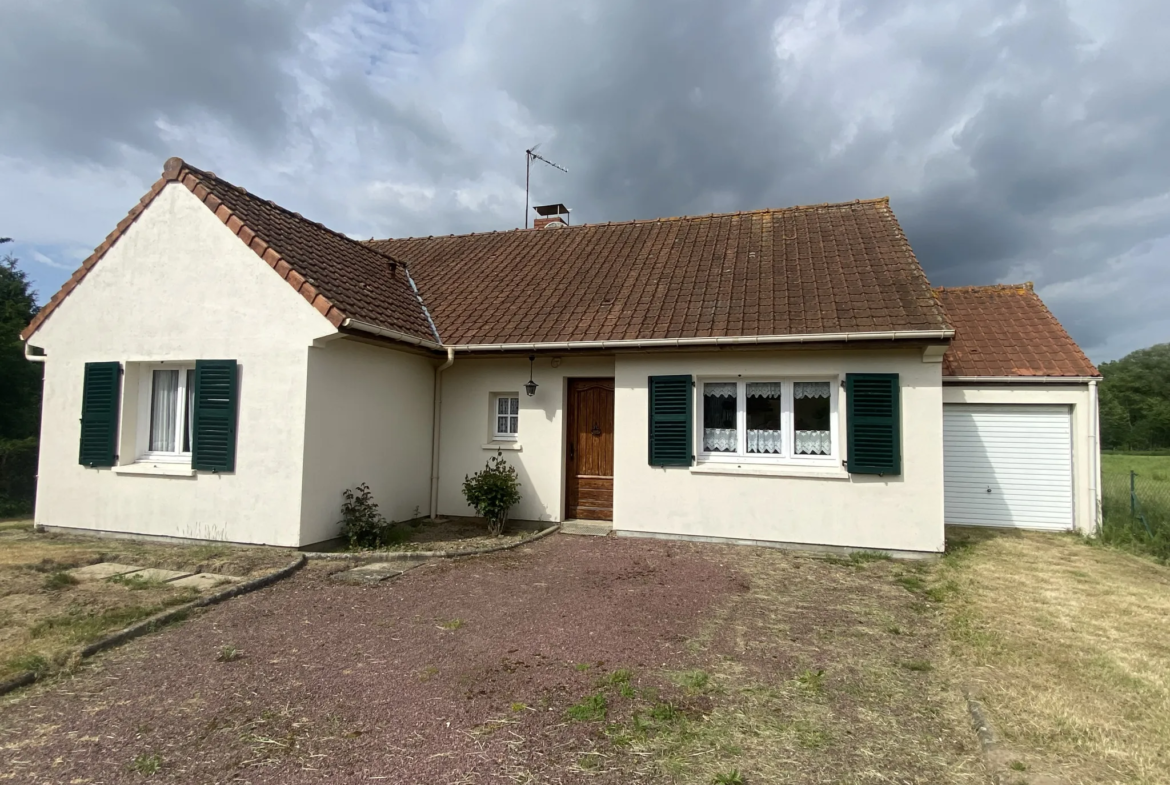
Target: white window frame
495, 423
145, 396
788, 454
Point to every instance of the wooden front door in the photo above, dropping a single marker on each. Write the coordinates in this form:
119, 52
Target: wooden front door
589, 455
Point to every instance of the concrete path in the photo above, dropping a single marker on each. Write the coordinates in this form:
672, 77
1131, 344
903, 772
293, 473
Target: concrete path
589, 528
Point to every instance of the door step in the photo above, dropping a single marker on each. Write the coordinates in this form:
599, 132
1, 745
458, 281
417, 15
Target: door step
591, 528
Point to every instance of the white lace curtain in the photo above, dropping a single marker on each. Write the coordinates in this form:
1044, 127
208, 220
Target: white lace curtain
719, 389
770, 442
764, 389
814, 442
719, 439
810, 390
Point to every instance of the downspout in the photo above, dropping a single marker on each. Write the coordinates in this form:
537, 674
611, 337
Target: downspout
33, 358
437, 420
1095, 455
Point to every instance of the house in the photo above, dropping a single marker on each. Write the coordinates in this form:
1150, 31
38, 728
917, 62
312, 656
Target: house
222, 369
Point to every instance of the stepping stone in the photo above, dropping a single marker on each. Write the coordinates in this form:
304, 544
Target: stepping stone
107, 569
591, 528
153, 574
205, 580
369, 573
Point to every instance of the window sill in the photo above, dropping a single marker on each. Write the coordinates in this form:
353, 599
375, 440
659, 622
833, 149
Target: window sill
833, 472
513, 446
157, 469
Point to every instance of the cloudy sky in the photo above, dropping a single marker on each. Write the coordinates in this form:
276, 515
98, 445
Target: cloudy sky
1017, 140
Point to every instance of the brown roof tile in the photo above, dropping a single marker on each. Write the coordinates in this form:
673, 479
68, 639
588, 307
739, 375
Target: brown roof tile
1006, 330
821, 269
340, 277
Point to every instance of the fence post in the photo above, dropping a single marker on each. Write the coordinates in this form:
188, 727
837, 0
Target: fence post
1132, 495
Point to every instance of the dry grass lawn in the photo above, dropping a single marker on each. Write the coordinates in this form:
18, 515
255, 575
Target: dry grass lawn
1068, 646
45, 616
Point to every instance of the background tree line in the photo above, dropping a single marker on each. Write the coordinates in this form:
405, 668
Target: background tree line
1135, 400
20, 392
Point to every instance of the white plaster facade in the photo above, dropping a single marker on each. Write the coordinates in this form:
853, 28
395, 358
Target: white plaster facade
537, 453
1081, 399
177, 287
815, 506
368, 419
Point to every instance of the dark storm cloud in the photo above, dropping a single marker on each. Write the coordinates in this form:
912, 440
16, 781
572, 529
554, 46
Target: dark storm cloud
85, 80
1015, 139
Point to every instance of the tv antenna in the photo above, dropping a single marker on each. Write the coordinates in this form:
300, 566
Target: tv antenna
529, 155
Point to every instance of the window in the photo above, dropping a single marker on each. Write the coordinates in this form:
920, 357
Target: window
166, 410
768, 421
506, 415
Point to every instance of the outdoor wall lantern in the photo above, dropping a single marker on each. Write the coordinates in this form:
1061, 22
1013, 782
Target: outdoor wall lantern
530, 388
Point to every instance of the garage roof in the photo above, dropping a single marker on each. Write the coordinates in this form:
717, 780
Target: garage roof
1006, 330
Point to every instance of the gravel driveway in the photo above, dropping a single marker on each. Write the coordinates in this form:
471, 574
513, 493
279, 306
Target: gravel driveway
459, 671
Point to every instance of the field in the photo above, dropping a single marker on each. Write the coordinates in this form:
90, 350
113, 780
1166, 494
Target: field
46, 615
1148, 531
1065, 642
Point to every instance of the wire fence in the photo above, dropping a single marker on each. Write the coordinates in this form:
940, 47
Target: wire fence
1135, 508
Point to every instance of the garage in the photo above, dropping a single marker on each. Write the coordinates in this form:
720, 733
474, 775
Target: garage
1006, 465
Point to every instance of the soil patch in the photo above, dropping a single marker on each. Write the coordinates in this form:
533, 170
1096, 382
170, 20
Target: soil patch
454, 535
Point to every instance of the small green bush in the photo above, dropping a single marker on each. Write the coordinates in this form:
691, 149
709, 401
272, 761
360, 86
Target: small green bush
492, 492
362, 524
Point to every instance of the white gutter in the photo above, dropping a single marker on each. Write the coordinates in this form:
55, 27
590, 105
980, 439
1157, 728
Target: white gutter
437, 421
1020, 379
33, 358
374, 329
1095, 455
739, 340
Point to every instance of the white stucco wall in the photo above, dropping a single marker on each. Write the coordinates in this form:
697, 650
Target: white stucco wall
467, 436
177, 287
369, 420
1086, 460
903, 513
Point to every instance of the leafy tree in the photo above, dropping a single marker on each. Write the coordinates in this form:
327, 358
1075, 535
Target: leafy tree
1135, 400
20, 380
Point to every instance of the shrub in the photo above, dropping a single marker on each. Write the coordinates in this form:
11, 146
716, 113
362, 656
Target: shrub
492, 492
362, 524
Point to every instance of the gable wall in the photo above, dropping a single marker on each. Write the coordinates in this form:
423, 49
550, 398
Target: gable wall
179, 286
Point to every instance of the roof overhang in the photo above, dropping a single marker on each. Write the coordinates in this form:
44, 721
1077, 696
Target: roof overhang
1020, 379
654, 343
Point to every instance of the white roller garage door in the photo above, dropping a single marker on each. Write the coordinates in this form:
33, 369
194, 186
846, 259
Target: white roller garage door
1008, 466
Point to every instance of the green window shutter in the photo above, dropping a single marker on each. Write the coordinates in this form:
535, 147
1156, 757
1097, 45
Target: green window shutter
213, 427
874, 423
99, 414
671, 430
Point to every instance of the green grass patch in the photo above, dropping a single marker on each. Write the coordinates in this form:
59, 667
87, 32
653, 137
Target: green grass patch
82, 627
135, 582
592, 708
36, 663
146, 765
58, 580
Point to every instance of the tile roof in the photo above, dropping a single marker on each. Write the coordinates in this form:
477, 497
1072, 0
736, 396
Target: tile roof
340, 277
821, 269
1006, 330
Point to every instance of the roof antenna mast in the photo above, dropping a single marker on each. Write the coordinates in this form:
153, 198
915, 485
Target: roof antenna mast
529, 155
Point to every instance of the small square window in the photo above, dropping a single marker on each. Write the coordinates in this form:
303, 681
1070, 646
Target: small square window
506, 414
